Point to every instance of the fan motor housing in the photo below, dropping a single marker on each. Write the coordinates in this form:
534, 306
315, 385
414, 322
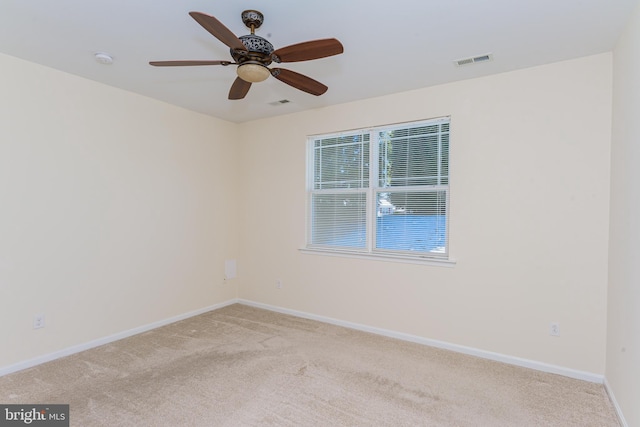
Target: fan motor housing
258, 49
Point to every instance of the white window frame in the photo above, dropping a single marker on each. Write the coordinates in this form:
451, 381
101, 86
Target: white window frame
370, 252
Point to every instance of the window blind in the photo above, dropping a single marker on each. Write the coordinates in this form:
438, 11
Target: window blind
384, 189
339, 214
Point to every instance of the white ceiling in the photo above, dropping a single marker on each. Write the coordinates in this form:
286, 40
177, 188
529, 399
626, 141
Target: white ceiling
389, 46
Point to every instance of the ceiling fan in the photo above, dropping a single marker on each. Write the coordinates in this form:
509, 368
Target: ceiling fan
253, 54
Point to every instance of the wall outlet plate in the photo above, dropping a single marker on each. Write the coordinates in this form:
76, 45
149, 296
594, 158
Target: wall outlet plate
38, 321
230, 269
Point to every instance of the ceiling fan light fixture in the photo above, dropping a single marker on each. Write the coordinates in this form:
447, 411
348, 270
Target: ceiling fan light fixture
253, 54
253, 72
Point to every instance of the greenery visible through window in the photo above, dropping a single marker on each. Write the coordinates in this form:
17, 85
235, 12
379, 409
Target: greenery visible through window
381, 190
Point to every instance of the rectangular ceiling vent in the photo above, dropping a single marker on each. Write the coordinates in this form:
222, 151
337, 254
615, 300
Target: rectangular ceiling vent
282, 101
474, 60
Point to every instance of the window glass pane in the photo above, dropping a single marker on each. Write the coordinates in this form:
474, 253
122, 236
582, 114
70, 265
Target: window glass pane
413, 156
339, 219
445, 158
341, 162
412, 221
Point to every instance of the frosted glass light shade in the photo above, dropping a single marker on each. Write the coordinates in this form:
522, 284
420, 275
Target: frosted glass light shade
253, 73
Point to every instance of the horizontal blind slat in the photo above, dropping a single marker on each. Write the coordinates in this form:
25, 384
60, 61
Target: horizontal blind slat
339, 219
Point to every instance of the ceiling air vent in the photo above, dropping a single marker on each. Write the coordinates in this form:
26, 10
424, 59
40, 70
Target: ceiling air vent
474, 60
282, 101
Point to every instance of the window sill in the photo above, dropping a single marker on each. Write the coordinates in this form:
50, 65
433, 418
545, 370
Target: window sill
423, 260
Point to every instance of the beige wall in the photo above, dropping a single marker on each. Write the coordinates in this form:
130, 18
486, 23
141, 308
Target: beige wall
114, 210
118, 211
529, 217
623, 334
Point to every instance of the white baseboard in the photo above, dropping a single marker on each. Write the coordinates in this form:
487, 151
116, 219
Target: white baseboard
526, 363
106, 340
621, 418
532, 364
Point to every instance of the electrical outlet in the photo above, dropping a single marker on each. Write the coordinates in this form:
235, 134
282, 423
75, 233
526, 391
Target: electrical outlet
38, 321
279, 284
554, 330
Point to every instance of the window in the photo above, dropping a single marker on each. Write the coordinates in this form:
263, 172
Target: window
381, 191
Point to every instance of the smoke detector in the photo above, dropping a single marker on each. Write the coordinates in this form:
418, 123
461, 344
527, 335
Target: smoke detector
103, 58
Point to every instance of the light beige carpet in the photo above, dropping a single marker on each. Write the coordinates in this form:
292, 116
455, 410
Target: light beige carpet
243, 366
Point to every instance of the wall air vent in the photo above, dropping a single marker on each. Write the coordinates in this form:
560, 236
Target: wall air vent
473, 60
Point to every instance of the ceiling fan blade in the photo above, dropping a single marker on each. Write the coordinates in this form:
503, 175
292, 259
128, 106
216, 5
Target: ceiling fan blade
186, 63
218, 30
299, 81
306, 51
239, 89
